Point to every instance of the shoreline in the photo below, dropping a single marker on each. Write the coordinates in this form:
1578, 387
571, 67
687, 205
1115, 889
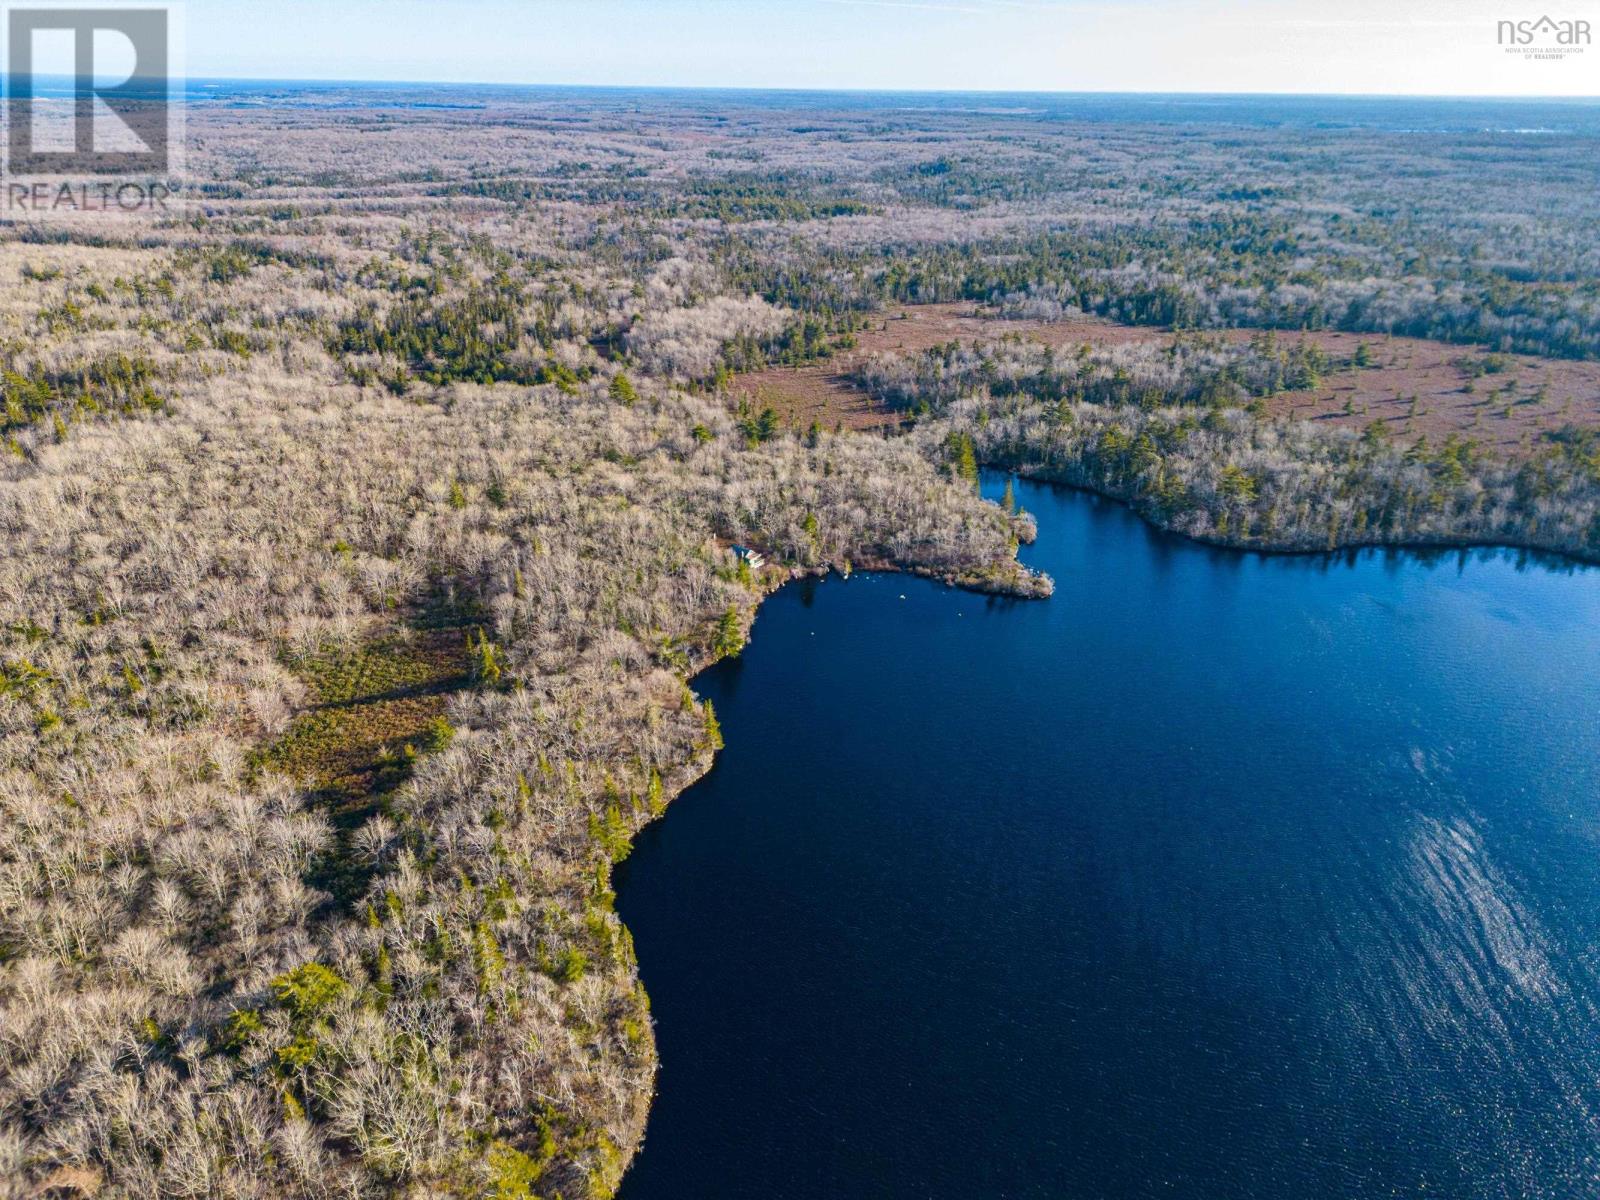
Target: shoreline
1025, 584
1074, 530
1344, 545
697, 770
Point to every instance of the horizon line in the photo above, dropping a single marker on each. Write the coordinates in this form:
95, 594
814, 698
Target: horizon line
846, 90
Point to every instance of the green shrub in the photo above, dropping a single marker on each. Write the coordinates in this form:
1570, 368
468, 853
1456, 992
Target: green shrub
572, 965
440, 733
242, 1025
309, 990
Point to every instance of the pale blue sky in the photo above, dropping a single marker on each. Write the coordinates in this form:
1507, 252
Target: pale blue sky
1385, 46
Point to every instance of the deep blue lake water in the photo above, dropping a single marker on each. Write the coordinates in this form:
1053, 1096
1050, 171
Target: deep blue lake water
1213, 876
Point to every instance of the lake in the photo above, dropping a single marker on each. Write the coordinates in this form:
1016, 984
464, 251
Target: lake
1216, 875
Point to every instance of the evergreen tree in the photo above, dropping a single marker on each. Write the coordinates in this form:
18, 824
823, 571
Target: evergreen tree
486, 669
622, 391
729, 638
963, 456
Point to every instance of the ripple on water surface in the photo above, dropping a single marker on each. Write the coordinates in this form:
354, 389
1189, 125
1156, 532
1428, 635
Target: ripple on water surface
1213, 876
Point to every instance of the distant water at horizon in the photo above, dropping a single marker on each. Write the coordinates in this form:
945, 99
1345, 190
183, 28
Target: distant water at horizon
1551, 116
1555, 115
1216, 875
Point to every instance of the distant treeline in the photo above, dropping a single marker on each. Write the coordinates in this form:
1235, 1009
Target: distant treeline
1174, 432
1213, 276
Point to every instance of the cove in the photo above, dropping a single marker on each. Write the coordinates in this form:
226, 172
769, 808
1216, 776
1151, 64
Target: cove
1216, 875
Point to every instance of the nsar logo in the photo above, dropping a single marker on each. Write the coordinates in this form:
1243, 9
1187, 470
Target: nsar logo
1545, 37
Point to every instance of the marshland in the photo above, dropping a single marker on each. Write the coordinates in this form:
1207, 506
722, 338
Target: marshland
366, 516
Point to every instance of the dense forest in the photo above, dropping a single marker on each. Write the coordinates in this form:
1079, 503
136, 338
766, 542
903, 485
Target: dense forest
366, 516
1179, 434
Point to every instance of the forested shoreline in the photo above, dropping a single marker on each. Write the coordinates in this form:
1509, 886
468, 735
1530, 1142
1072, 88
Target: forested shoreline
365, 519
1172, 434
